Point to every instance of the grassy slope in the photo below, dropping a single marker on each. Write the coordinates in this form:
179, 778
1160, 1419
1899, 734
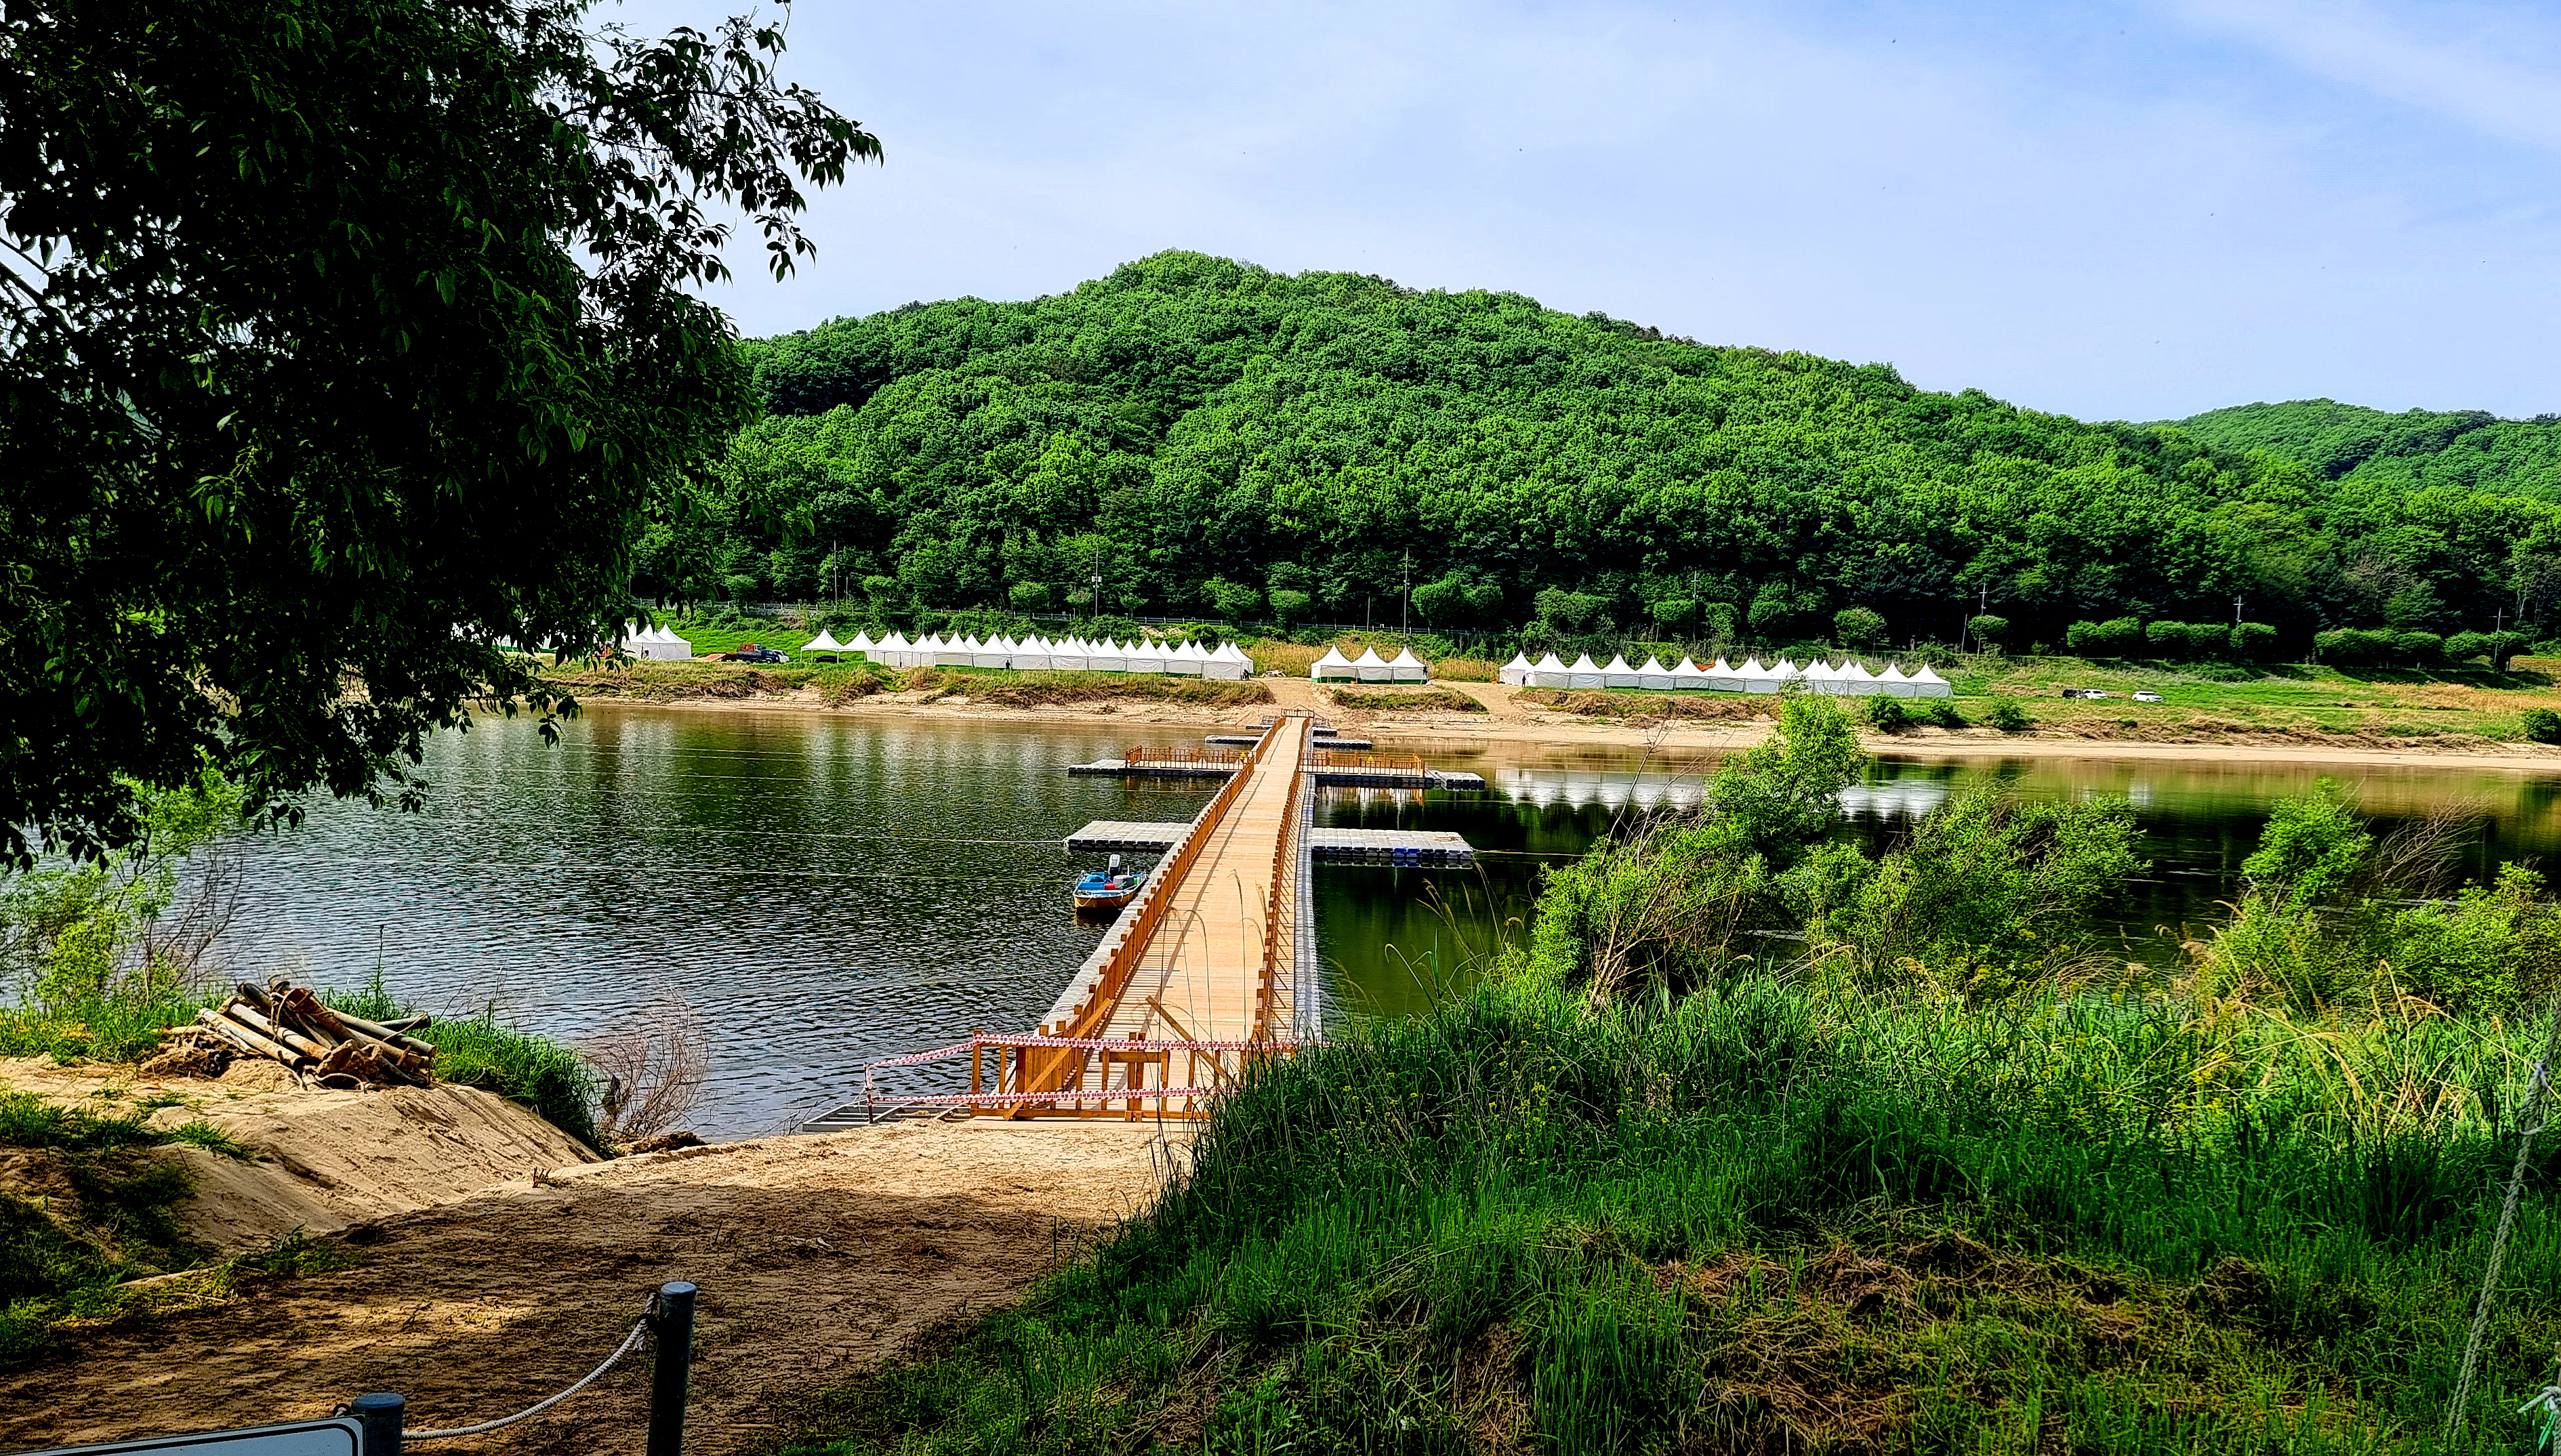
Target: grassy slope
1762, 1220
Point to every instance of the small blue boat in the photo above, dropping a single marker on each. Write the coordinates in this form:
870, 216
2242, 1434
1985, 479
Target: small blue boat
1108, 889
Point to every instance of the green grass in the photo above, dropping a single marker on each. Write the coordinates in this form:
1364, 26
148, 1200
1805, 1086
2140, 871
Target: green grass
1439, 699
1761, 1219
109, 1214
113, 1027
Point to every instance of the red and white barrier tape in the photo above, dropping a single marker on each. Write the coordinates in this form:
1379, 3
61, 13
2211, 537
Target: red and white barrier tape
1078, 1043
1115, 1094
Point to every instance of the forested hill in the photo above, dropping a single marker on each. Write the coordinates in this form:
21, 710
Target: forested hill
1224, 438
2465, 448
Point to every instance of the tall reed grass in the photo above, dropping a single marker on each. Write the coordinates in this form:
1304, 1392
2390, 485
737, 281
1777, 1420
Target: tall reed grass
1767, 1215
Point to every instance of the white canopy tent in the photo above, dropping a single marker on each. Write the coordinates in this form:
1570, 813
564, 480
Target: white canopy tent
1371, 666
1822, 676
1686, 677
825, 641
1927, 684
1756, 678
1107, 657
1892, 682
1333, 666
1516, 672
861, 646
1144, 655
1655, 674
1405, 667
1857, 681
1552, 671
1585, 673
1618, 674
1068, 654
893, 650
994, 652
1722, 677
1229, 664
1186, 660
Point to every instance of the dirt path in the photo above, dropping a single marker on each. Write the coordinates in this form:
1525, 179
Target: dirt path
816, 1255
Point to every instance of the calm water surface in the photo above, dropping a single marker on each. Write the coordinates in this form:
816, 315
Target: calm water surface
827, 890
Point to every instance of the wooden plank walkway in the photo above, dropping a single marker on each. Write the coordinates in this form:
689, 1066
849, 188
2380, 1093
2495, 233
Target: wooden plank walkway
1201, 978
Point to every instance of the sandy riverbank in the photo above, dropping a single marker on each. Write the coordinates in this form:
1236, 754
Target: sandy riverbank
1508, 723
490, 1267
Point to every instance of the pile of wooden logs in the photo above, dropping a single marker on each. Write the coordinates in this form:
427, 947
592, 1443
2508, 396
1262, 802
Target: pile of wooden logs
325, 1047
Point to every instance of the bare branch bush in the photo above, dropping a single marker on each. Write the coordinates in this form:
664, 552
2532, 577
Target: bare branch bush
653, 1062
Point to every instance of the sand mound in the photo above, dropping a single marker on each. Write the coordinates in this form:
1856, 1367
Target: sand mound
323, 1160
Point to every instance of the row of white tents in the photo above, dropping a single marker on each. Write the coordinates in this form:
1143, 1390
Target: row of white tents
1369, 667
656, 644
1851, 678
1071, 654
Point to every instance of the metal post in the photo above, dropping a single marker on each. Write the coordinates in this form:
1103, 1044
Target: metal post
380, 1413
673, 1375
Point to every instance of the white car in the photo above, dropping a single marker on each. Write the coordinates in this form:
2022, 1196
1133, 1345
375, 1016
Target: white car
2148, 695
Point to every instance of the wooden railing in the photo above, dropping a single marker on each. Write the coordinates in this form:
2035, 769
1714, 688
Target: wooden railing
1282, 909
1351, 758
1138, 757
1048, 1072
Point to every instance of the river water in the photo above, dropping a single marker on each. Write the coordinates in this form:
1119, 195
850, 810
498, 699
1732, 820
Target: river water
824, 891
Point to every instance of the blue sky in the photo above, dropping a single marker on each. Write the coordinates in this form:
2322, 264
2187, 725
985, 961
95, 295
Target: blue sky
2117, 211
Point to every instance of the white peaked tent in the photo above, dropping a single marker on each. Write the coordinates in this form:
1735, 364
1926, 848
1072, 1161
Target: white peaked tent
1229, 663
1927, 684
1107, 657
1552, 671
1892, 682
1756, 678
1618, 674
1516, 672
1031, 654
1857, 681
894, 650
1405, 667
861, 644
1787, 672
1655, 674
1371, 666
1585, 673
1687, 677
1144, 655
1722, 677
994, 652
1332, 667
825, 641
656, 644
1185, 660
1068, 654
1822, 676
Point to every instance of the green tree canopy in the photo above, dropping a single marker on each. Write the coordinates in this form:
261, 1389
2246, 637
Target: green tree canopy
348, 341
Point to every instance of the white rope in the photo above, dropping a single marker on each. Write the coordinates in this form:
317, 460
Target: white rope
2537, 1091
639, 1326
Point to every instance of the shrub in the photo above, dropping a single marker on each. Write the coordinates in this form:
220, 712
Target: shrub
2254, 642
1029, 596
1942, 713
1857, 626
2357, 646
2468, 646
2113, 638
2421, 649
1887, 715
2009, 717
2542, 725
1290, 606
1988, 631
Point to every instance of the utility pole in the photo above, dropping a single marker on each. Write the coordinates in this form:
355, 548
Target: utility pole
1096, 613
2236, 609
1404, 607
